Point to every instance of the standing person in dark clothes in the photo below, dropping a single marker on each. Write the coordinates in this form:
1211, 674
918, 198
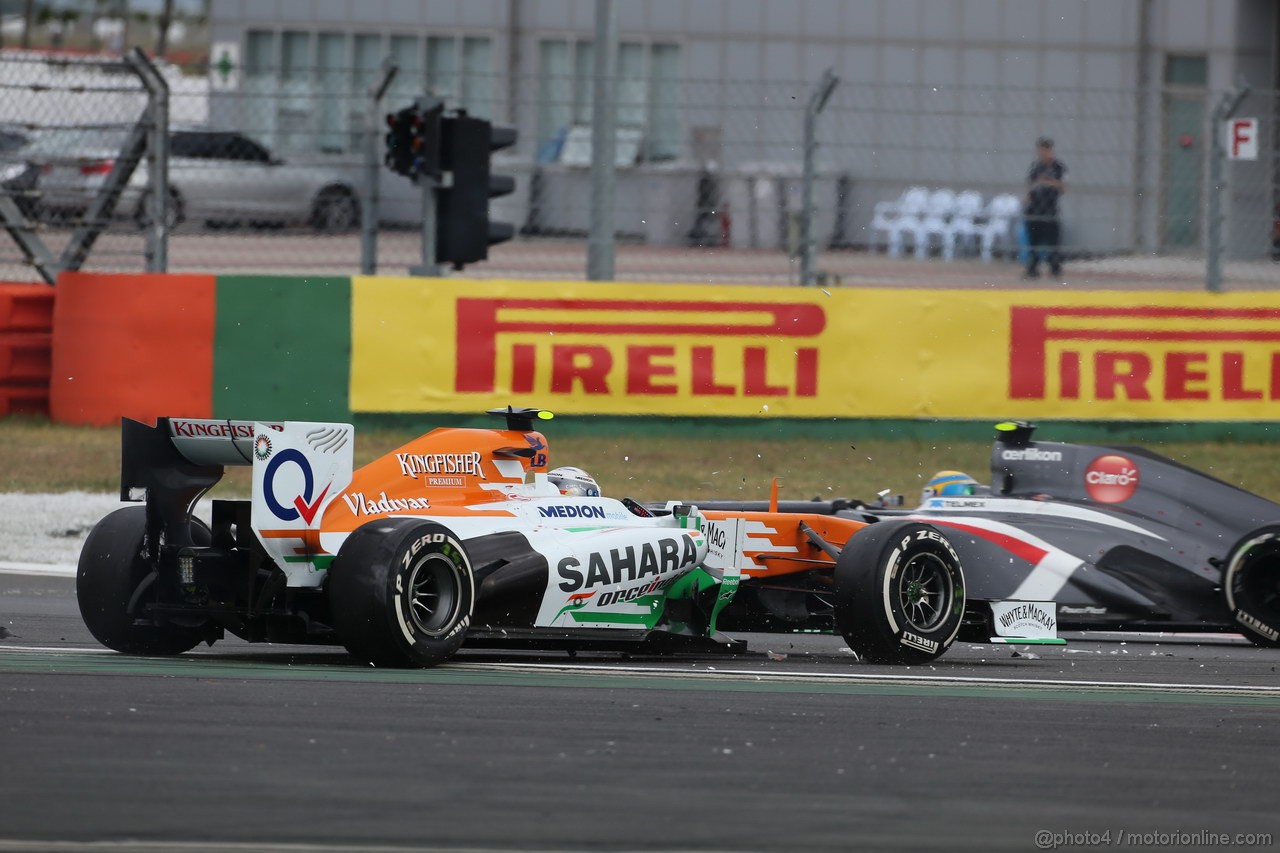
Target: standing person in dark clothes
1044, 185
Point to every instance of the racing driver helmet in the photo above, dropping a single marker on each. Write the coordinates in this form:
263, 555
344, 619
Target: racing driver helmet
949, 484
574, 482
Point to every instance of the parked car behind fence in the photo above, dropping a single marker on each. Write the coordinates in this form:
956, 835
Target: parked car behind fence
220, 178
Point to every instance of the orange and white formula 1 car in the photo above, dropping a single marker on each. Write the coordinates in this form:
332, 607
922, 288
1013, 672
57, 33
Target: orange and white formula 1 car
459, 537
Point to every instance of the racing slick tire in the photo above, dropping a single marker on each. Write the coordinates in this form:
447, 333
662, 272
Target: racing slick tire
899, 593
1251, 582
401, 593
110, 569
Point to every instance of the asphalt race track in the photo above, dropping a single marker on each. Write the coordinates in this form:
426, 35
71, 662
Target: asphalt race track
794, 747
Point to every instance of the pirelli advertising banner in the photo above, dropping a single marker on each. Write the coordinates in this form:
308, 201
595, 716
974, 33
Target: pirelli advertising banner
449, 345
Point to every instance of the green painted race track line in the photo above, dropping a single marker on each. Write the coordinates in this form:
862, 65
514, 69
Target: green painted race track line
618, 678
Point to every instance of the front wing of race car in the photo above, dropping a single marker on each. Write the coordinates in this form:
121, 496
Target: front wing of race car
1011, 622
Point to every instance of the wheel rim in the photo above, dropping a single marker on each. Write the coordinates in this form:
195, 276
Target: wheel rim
1258, 582
434, 594
924, 592
172, 212
336, 212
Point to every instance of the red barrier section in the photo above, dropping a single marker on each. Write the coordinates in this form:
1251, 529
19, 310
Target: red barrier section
136, 345
26, 342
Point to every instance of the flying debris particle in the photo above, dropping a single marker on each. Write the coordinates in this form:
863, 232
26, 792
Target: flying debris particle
828, 292
775, 655
765, 407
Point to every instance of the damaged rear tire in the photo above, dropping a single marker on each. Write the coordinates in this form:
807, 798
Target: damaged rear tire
108, 577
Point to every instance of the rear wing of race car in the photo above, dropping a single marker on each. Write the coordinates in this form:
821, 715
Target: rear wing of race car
170, 465
179, 454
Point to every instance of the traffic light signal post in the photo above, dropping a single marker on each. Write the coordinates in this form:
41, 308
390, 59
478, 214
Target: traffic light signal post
413, 150
369, 209
429, 266
448, 156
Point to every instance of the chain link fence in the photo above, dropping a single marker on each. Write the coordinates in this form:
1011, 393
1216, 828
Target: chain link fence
267, 169
55, 106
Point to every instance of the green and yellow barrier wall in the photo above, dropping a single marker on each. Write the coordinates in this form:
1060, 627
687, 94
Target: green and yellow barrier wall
333, 348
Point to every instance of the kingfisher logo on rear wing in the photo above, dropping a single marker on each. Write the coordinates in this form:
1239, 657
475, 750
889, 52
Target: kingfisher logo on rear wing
208, 441
193, 428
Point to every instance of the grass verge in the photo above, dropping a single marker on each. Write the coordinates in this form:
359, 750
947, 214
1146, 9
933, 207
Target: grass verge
37, 456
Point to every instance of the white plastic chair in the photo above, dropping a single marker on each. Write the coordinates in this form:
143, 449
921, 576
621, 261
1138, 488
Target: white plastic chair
962, 227
1000, 216
899, 218
934, 221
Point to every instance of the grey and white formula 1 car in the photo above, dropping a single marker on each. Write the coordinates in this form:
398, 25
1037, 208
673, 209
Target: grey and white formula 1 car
459, 536
1120, 537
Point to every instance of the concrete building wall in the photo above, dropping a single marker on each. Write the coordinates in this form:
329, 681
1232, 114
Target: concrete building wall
939, 92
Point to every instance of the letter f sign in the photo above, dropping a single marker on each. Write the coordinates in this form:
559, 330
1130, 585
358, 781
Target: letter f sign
1242, 139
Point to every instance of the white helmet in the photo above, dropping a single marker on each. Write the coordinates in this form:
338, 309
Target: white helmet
574, 482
